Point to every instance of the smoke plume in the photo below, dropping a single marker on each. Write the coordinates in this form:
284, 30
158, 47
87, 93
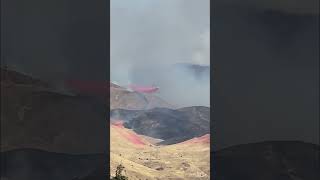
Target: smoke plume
148, 37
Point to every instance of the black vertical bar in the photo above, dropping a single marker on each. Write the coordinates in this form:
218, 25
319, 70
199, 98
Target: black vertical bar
107, 159
265, 63
54, 111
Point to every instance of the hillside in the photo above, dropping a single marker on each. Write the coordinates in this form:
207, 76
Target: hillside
278, 160
33, 164
121, 98
173, 126
12, 77
34, 116
144, 160
154, 140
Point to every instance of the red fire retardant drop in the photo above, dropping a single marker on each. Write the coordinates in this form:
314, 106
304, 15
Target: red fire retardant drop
143, 89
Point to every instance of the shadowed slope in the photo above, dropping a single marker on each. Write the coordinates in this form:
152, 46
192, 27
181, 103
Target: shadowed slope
277, 160
36, 117
32, 164
172, 126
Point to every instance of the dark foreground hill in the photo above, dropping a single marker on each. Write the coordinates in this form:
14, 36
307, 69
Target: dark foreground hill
32, 164
276, 160
33, 115
173, 126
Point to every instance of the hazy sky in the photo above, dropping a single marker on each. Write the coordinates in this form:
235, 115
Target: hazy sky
149, 36
151, 32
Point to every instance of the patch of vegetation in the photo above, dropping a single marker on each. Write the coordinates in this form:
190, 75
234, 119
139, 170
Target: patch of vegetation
119, 175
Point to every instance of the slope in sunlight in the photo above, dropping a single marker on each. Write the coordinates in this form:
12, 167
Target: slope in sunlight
144, 160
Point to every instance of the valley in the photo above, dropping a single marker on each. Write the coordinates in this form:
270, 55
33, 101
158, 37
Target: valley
160, 142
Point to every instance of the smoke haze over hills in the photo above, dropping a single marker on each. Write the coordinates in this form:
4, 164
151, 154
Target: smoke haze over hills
148, 37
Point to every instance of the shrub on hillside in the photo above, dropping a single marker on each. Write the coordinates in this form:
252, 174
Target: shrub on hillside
119, 175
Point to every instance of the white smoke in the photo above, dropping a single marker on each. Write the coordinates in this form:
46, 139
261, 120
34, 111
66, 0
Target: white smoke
147, 37
202, 54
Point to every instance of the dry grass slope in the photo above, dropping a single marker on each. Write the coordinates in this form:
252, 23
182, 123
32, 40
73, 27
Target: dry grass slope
143, 160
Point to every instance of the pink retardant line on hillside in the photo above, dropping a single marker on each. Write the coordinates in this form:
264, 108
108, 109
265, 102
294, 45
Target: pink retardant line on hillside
117, 123
130, 136
205, 139
134, 138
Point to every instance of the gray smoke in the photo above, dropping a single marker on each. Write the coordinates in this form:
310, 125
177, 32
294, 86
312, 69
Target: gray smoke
148, 37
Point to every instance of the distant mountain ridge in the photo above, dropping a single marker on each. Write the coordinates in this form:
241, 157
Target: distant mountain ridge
121, 98
10, 76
